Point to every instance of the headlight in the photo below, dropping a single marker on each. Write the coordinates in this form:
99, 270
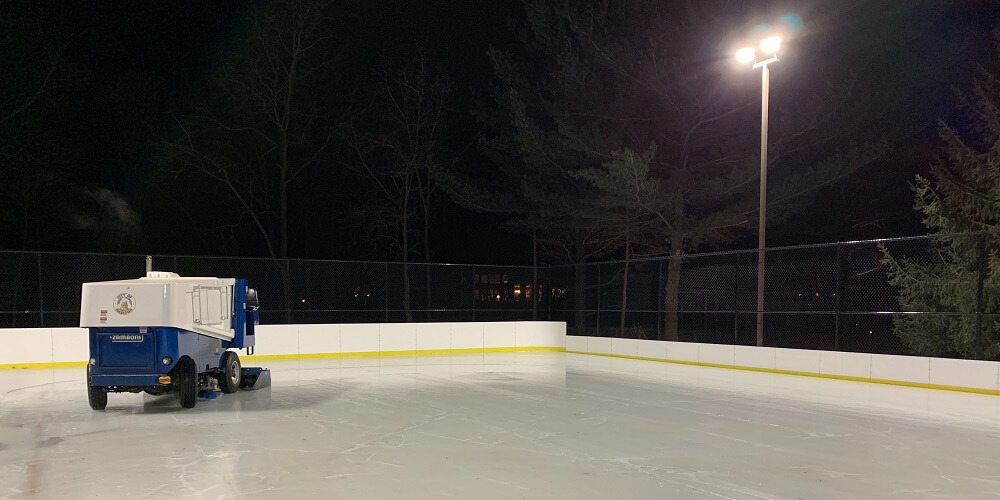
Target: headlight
167, 360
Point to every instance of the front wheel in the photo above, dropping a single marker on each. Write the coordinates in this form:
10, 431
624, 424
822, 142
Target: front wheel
187, 382
229, 379
96, 396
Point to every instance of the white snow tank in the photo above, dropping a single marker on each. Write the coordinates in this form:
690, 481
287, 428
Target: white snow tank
200, 305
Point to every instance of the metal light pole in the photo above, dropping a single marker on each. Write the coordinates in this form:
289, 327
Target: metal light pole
769, 45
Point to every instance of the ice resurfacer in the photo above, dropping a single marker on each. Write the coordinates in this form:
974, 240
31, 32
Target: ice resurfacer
164, 333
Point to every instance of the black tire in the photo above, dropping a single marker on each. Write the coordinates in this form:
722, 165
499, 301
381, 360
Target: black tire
230, 378
96, 396
187, 382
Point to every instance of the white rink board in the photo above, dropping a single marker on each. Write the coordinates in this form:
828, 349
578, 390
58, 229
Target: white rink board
958, 374
652, 349
397, 337
319, 338
28, 346
433, 336
69, 345
470, 335
753, 357
497, 335
847, 364
963, 373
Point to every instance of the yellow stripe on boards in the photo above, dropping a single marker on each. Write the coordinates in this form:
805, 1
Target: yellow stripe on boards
324, 355
474, 350
31, 366
921, 385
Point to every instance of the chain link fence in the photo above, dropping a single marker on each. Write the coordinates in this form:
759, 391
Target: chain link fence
933, 296
42, 289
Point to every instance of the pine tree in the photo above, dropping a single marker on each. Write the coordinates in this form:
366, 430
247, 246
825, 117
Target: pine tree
963, 272
612, 131
542, 126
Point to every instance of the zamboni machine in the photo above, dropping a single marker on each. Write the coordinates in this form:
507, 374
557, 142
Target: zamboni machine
164, 333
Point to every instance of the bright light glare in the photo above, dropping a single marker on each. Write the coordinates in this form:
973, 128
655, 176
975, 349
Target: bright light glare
770, 44
745, 55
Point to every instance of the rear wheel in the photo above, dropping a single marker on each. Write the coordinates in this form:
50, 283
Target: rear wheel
96, 396
187, 382
229, 379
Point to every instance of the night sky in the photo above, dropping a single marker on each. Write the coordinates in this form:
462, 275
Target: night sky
140, 62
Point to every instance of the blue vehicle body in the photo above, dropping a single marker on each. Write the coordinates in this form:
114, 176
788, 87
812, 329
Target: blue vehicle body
134, 359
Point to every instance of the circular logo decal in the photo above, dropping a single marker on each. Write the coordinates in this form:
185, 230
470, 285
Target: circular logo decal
124, 303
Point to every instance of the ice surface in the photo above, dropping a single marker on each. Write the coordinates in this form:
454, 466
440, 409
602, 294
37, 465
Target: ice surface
501, 426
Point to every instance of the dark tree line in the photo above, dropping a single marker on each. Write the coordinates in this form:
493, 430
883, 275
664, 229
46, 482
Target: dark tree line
601, 129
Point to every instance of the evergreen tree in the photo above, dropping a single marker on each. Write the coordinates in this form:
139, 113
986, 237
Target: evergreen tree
610, 136
543, 124
962, 273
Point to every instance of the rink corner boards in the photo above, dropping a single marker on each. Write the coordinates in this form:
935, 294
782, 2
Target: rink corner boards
921, 385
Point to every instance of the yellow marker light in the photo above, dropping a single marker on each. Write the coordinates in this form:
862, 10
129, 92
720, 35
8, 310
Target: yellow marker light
165, 380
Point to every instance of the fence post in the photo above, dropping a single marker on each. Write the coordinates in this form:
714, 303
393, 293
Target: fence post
659, 300
473, 292
704, 318
548, 293
534, 291
980, 279
41, 301
836, 294
736, 300
600, 286
428, 270
386, 281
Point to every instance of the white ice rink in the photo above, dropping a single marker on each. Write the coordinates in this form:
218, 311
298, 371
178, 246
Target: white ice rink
501, 426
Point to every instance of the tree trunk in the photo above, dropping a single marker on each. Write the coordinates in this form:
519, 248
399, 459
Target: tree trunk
406, 252
286, 287
283, 187
628, 246
534, 275
283, 249
283, 190
286, 278
20, 265
427, 245
670, 330
580, 292
17, 287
